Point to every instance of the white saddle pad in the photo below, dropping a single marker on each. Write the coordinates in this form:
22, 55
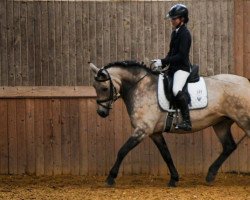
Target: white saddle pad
197, 91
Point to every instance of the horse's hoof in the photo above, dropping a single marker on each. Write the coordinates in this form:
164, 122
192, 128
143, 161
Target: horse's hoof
110, 182
210, 178
172, 183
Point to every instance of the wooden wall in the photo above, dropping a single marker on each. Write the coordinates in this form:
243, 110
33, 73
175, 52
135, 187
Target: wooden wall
59, 132
242, 35
55, 130
50, 42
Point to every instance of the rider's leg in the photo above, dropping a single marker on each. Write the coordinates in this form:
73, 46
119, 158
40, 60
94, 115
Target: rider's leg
183, 105
180, 78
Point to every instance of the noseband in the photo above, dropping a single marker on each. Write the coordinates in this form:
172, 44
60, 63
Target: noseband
113, 95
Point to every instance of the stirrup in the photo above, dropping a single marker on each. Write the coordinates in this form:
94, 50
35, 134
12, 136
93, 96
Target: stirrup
184, 126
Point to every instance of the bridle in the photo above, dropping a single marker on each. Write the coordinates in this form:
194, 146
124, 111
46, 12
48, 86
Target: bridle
113, 95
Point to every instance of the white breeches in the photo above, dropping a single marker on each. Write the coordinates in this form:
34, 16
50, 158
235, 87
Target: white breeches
180, 78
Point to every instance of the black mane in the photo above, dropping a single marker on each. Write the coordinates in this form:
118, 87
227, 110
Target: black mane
128, 64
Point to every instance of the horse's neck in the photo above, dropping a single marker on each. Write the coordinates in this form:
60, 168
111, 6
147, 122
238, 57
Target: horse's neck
122, 73
123, 76
131, 84
126, 78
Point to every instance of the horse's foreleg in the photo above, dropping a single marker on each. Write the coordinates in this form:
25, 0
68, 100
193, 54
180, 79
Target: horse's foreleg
132, 142
223, 131
163, 148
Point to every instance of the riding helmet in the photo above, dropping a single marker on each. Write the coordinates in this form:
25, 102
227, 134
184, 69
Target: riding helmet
178, 10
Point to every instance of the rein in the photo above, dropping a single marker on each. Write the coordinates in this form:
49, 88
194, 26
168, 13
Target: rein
140, 79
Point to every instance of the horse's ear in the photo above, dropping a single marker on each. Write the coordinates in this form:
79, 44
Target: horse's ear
94, 68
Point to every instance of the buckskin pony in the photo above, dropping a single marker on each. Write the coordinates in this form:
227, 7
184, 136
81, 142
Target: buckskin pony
228, 103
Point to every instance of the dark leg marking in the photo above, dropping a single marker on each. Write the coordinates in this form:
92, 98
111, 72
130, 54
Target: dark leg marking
223, 131
128, 146
163, 148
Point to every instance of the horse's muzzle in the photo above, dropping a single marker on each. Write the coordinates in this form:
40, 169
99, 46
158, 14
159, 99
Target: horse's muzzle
102, 113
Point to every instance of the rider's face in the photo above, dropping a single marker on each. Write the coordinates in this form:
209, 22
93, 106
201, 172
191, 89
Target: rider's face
175, 22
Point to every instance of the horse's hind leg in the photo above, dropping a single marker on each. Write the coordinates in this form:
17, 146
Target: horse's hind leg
163, 148
223, 131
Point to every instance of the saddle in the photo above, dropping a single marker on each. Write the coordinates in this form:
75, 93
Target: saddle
168, 85
195, 89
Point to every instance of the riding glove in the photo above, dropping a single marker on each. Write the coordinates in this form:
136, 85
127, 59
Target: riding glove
157, 65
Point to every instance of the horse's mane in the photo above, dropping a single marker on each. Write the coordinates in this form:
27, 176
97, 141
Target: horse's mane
129, 64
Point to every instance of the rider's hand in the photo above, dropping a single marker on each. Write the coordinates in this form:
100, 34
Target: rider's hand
156, 65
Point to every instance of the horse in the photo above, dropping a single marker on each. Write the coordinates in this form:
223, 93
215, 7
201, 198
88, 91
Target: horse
136, 84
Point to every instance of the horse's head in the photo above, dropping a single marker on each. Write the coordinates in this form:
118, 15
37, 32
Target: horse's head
105, 89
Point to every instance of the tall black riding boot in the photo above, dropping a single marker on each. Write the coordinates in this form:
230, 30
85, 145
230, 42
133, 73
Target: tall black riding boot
182, 102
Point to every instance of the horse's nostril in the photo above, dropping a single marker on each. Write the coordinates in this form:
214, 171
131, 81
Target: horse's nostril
102, 113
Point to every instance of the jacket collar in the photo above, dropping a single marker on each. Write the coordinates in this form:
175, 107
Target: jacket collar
180, 29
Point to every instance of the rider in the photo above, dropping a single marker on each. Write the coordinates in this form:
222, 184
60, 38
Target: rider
178, 60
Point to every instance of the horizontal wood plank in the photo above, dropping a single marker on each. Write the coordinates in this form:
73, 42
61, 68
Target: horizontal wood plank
47, 91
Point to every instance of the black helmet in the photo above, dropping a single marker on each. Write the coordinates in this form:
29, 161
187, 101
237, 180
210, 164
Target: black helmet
178, 10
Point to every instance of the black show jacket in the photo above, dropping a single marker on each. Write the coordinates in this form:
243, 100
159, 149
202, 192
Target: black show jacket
178, 55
